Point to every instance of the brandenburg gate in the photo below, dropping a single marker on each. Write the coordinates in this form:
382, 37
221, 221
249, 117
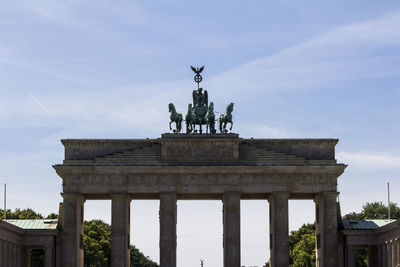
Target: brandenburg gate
214, 166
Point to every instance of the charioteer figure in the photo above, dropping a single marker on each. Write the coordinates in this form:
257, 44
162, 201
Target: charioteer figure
200, 112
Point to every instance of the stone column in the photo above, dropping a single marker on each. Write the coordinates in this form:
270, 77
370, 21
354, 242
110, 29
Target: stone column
48, 257
168, 221
326, 229
382, 255
13, 255
19, 260
394, 252
279, 229
120, 229
72, 232
4, 249
398, 250
1, 252
9, 254
25, 256
372, 256
389, 253
231, 222
350, 261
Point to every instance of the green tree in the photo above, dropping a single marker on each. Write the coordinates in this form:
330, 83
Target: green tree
374, 210
139, 260
19, 214
52, 216
97, 243
302, 246
97, 247
37, 258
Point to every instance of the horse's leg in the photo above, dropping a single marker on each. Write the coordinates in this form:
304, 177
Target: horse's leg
170, 128
231, 125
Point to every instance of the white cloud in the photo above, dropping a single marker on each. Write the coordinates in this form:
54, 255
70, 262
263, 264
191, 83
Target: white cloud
369, 161
262, 131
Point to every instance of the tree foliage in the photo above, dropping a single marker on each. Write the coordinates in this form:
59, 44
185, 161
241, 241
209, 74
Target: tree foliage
302, 246
97, 243
139, 260
97, 247
19, 214
374, 210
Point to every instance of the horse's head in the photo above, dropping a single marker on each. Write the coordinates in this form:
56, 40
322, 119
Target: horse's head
230, 107
170, 107
189, 111
211, 106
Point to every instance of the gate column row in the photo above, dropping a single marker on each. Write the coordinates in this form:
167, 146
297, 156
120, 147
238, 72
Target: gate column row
326, 229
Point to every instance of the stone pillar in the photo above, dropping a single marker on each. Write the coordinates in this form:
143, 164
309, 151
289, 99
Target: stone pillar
168, 221
120, 229
72, 232
1, 252
48, 257
9, 254
350, 261
382, 255
5, 255
279, 229
389, 253
25, 256
326, 229
372, 256
394, 252
231, 223
19, 260
398, 250
13, 255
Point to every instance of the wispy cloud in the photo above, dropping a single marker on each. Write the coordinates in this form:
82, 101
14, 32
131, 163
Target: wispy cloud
342, 53
370, 160
40, 104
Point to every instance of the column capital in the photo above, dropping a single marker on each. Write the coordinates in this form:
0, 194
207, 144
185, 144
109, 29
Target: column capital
120, 195
232, 194
167, 194
330, 194
326, 194
280, 194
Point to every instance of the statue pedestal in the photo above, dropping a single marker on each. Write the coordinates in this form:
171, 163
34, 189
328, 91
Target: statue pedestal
200, 149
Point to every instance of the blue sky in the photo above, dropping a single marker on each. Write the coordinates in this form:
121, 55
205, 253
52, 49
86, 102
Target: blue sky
294, 69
